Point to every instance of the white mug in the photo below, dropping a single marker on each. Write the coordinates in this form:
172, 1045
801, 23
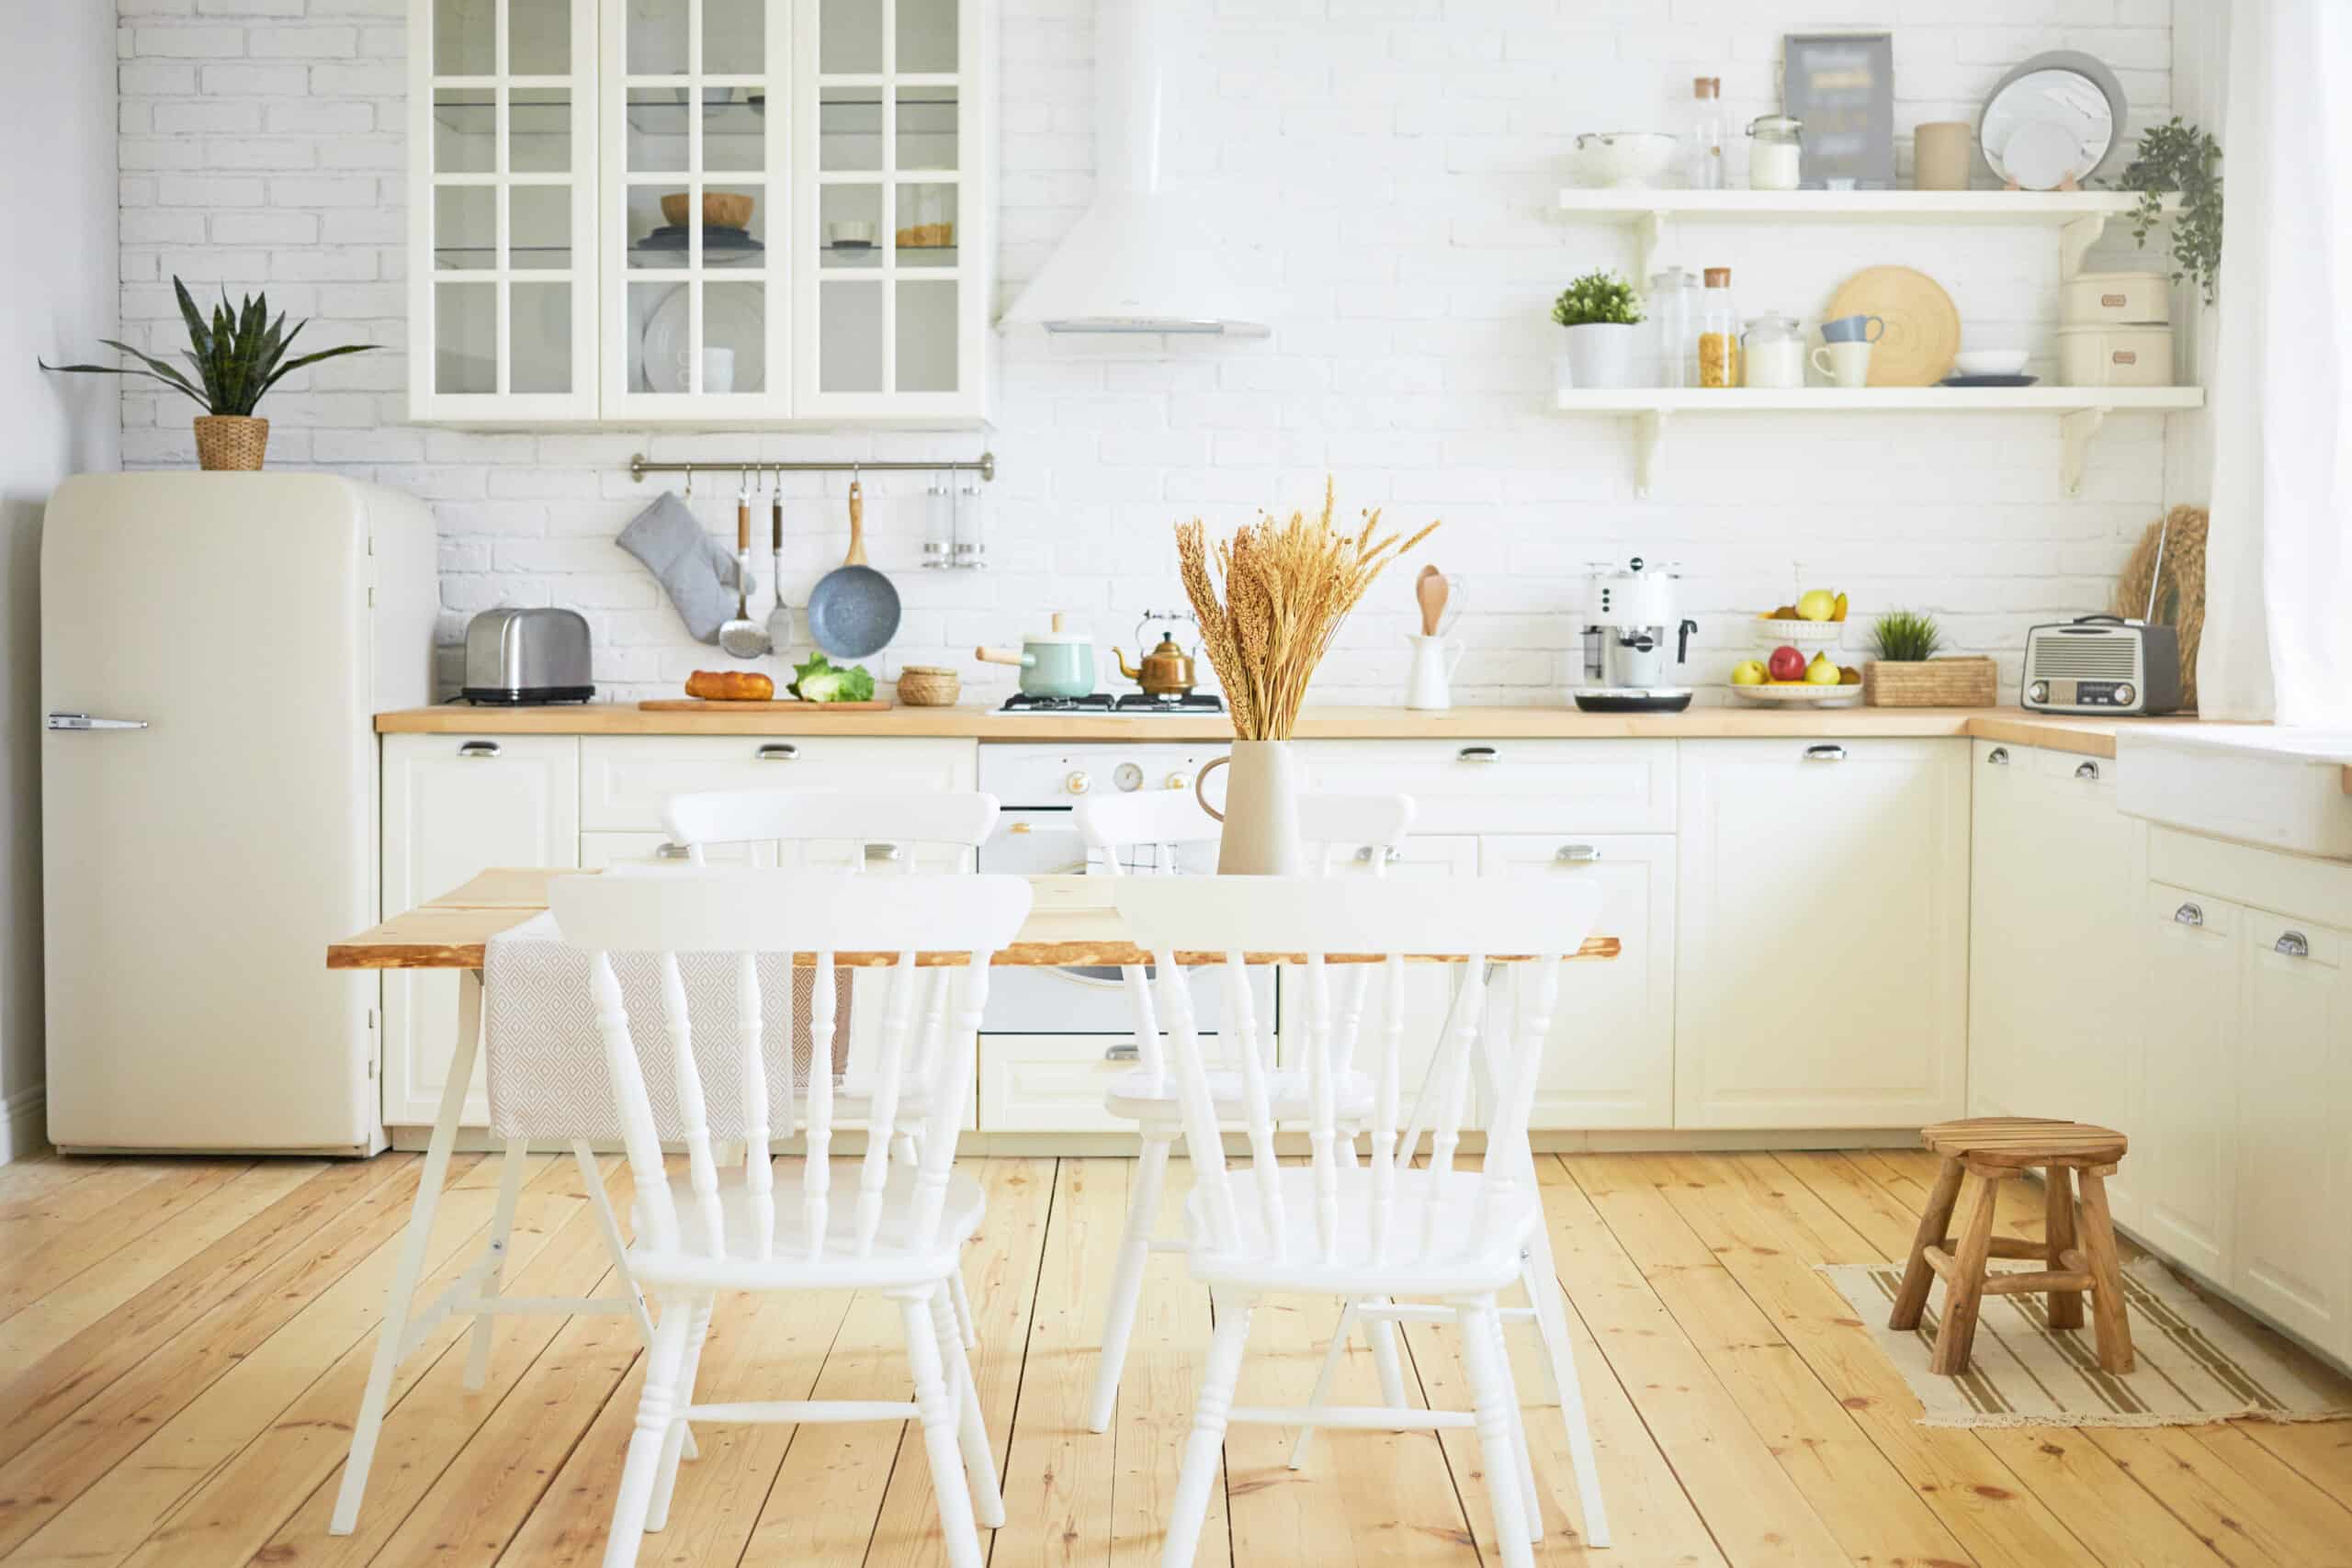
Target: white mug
1848, 364
1431, 684
718, 370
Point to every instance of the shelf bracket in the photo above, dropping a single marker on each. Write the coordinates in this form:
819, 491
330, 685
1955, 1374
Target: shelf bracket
2080, 427
2075, 242
1649, 237
1650, 440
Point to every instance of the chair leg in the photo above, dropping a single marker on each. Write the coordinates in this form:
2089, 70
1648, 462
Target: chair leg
655, 1417
1323, 1375
2065, 1307
1205, 1446
1964, 1291
2108, 1315
949, 1486
1543, 1281
657, 1517
593, 1181
971, 1425
1126, 1284
967, 1329
1530, 1500
501, 1228
1935, 1223
1499, 1454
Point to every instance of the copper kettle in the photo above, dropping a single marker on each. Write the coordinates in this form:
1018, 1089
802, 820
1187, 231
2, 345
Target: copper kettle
1167, 670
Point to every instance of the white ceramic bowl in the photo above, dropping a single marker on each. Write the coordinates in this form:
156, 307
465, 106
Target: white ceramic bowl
1628, 158
1989, 361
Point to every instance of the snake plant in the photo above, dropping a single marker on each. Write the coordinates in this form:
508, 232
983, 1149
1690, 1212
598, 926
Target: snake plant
237, 355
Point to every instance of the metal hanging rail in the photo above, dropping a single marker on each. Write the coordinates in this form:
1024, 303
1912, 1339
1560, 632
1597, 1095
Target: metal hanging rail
640, 466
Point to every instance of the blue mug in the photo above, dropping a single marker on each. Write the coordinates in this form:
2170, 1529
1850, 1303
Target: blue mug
1854, 329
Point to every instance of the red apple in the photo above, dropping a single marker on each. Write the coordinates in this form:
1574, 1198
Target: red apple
1786, 663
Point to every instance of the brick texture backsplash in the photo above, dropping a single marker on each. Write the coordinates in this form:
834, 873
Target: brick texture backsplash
1388, 164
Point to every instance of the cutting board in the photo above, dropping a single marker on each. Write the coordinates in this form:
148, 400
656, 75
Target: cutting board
780, 704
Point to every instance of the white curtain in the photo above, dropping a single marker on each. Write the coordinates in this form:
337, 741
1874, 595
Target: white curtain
2278, 563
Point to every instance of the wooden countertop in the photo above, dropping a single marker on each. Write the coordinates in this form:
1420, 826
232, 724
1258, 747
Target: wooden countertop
2085, 737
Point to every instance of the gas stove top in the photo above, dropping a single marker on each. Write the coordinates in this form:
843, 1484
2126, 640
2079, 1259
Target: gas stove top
1194, 704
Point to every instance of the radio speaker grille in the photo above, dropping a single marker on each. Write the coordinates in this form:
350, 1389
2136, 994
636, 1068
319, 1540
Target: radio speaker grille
2061, 656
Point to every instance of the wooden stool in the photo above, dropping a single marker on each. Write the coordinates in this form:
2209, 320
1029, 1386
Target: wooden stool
1990, 1150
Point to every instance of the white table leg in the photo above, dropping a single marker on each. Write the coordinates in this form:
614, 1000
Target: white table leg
502, 1227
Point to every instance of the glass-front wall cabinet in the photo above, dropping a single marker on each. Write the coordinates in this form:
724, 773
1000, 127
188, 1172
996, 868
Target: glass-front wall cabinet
672, 211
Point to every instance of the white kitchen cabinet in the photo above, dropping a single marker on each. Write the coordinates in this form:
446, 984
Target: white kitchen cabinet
626, 779
1507, 786
1608, 1061
453, 806
1821, 966
2183, 1139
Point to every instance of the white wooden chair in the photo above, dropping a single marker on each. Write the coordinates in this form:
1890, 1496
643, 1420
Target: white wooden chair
1377, 1231
1147, 831
896, 1229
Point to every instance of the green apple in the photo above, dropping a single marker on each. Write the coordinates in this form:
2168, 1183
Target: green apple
1820, 672
1747, 672
1818, 604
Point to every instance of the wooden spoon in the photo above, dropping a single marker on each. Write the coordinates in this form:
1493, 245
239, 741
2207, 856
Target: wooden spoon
1430, 589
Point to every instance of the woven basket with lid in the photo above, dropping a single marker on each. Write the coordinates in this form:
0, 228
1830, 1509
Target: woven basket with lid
929, 687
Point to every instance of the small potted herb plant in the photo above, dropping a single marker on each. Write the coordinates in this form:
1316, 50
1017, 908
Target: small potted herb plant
236, 357
1907, 674
1600, 312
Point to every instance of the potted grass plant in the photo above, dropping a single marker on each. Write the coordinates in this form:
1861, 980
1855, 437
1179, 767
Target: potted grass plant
1600, 311
1907, 674
237, 355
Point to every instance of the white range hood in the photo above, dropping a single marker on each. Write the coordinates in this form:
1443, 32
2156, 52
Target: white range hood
1141, 260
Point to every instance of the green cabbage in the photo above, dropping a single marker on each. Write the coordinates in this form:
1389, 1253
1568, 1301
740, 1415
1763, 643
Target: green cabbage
821, 680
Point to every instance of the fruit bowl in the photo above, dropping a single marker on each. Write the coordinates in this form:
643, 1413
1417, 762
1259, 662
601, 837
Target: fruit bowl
1799, 634
1796, 693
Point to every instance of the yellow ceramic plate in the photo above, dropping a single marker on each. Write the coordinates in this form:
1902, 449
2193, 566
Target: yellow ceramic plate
1922, 324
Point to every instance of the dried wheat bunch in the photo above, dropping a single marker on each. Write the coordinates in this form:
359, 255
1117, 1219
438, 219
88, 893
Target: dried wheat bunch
1286, 589
2181, 602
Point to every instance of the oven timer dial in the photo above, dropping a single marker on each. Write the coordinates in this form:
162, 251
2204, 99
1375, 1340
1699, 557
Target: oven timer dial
1077, 783
1128, 776
1180, 780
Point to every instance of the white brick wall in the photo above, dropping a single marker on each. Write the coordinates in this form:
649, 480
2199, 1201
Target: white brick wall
1390, 163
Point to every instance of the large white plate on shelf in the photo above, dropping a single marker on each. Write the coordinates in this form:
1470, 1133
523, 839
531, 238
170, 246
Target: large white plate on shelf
1791, 694
2058, 114
731, 317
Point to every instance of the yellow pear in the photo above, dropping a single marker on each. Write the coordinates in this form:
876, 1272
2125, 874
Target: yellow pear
1820, 672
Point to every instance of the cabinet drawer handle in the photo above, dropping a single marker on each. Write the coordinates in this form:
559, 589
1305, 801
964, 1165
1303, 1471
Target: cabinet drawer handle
1379, 854
1130, 1052
2188, 915
1999, 757
2294, 944
673, 852
779, 752
479, 749
1578, 854
1825, 753
1477, 754
2086, 770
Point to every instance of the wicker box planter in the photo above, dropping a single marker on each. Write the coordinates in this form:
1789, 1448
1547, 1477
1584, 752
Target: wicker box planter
1969, 682
231, 442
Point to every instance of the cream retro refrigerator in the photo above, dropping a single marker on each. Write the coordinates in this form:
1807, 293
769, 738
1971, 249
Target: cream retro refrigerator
214, 648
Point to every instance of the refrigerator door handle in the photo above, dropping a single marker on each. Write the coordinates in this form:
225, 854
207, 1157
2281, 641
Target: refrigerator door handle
84, 721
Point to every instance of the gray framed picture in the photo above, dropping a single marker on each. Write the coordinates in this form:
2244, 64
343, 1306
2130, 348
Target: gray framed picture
1842, 86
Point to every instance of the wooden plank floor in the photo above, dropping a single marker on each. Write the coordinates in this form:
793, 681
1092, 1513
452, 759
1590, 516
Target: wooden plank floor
185, 1342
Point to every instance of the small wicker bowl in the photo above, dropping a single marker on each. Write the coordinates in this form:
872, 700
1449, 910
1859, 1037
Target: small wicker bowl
929, 687
720, 208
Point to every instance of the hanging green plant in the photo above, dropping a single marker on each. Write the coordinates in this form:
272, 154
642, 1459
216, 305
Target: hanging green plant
2176, 157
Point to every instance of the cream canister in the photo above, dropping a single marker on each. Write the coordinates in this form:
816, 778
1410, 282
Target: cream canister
2115, 356
2116, 299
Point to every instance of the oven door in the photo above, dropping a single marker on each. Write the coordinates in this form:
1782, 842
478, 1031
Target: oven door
1045, 842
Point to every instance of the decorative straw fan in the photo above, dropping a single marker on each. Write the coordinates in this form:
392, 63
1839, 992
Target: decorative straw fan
1922, 324
2180, 598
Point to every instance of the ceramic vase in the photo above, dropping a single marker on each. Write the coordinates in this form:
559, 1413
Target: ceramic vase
1260, 813
1600, 355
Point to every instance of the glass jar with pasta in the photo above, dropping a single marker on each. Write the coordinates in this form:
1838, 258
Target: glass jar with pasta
1719, 363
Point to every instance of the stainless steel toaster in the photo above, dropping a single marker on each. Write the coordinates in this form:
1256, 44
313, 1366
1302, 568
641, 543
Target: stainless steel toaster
518, 657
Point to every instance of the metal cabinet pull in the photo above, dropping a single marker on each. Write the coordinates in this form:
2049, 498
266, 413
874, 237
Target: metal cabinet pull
2188, 915
1999, 757
2294, 944
1477, 754
673, 852
1578, 854
1379, 854
882, 852
1129, 1051
779, 752
2086, 770
479, 749
1825, 753
84, 721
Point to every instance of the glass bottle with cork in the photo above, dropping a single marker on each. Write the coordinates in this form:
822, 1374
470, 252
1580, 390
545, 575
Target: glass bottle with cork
1719, 363
1702, 135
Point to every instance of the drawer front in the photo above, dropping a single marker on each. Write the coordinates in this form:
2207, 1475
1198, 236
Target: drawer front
2096, 774
626, 780
1509, 786
1048, 1083
598, 851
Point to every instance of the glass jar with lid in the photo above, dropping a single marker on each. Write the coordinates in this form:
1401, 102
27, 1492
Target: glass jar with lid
1772, 351
1674, 316
1718, 330
1775, 152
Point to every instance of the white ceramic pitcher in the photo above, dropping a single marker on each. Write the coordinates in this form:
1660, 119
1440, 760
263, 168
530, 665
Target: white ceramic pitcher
1430, 683
1260, 815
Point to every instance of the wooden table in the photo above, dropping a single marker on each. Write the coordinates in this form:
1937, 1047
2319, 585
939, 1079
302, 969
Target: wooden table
1072, 922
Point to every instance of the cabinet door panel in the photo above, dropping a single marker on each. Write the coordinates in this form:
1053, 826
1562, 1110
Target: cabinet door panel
1821, 973
450, 814
2006, 853
1509, 786
1609, 1059
626, 780
2183, 1139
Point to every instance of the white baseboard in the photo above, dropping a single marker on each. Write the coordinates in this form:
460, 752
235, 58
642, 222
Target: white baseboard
24, 1123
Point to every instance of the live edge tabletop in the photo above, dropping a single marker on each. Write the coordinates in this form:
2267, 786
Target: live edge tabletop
1072, 922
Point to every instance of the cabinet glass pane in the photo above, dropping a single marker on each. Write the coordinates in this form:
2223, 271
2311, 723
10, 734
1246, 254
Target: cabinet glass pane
465, 228
735, 244
927, 128
538, 38
849, 36
653, 239
925, 230
660, 350
850, 219
734, 134
657, 39
465, 37
464, 124
658, 129
849, 337
849, 129
465, 337
927, 336
926, 36
538, 130
540, 325
734, 41
538, 227
734, 355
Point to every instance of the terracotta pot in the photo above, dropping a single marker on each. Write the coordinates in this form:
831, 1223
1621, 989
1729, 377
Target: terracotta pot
230, 443
1260, 813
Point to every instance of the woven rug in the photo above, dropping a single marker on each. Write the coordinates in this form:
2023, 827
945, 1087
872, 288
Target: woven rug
2197, 1360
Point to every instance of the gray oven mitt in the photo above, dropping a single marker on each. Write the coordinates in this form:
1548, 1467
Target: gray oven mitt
697, 573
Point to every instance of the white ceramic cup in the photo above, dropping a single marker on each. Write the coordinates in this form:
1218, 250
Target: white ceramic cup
718, 370
1847, 363
1431, 684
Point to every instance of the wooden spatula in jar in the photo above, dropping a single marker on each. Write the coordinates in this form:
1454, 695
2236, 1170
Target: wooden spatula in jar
1431, 590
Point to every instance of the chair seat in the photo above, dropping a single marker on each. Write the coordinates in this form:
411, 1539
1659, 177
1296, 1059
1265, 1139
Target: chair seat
1258, 1264
1136, 1097
2016, 1141
891, 1262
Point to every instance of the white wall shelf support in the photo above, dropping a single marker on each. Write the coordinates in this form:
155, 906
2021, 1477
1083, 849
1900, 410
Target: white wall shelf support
1649, 238
2080, 427
1649, 444
2075, 243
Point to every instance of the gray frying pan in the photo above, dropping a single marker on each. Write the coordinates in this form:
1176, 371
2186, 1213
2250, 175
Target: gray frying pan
854, 610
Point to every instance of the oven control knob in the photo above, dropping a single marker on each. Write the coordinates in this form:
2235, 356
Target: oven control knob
1180, 780
2039, 691
1128, 776
1077, 783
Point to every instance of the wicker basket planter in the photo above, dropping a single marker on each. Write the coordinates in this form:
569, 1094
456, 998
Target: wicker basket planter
929, 687
1969, 682
230, 443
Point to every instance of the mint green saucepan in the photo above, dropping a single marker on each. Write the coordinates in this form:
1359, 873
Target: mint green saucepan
1053, 664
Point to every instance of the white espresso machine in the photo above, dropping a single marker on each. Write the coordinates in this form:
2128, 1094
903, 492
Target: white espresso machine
1629, 616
